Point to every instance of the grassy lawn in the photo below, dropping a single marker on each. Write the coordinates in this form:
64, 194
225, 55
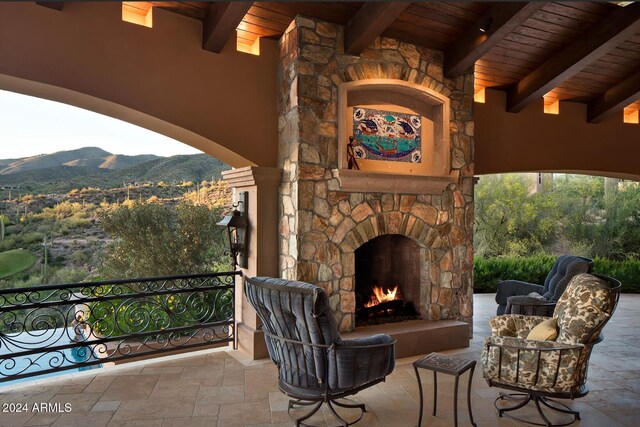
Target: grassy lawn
15, 261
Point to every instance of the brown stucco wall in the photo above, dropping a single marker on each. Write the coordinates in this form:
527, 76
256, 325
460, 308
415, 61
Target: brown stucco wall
158, 78
534, 141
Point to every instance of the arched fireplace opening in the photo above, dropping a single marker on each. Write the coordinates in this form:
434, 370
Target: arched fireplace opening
387, 280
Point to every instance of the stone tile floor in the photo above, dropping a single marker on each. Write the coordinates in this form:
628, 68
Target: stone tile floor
218, 388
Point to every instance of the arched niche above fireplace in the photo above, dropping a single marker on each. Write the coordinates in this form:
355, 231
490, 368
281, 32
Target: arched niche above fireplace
432, 174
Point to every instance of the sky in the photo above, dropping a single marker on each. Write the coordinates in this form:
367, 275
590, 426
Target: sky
31, 126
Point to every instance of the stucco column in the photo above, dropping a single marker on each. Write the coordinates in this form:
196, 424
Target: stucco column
261, 183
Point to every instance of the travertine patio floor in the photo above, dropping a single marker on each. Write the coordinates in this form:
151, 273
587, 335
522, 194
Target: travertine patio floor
219, 388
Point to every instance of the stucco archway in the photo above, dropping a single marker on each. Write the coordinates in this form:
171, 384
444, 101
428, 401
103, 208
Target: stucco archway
158, 78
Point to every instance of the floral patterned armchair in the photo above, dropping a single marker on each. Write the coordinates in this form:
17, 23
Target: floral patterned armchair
540, 370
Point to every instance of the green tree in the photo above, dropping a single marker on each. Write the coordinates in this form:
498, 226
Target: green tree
510, 219
616, 235
157, 240
580, 201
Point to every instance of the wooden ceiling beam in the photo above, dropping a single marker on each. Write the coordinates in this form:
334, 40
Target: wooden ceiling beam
369, 22
615, 99
56, 5
221, 22
499, 21
599, 39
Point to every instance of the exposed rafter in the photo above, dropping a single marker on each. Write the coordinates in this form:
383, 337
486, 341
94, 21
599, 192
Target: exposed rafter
220, 23
56, 5
599, 39
369, 22
615, 99
501, 20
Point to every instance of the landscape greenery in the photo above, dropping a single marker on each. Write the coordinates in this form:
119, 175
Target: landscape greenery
15, 261
148, 224
520, 227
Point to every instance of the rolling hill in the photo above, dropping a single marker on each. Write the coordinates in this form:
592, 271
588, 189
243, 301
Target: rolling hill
63, 171
89, 156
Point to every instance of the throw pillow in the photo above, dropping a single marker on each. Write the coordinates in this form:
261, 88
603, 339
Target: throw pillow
545, 331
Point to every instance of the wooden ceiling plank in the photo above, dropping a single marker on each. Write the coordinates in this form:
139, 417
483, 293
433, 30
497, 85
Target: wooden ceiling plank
368, 23
454, 22
271, 15
267, 23
534, 41
517, 55
221, 23
420, 39
506, 66
620, 60
562, 21
409, 27
458, 10
257, 29
474, 43
596, 42
429, 22
588, 74
592, 7
565, 9
534, 51
615, 99
189, 9
55, 5
539, 33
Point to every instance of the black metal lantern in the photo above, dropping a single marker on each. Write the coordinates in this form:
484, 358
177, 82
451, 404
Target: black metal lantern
236, 225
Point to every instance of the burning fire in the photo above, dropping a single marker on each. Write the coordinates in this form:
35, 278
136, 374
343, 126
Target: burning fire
380, 296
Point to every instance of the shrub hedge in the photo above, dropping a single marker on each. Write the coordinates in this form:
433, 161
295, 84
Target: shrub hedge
534, 269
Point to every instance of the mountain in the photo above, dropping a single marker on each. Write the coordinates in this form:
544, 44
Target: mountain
87, 171
92, 157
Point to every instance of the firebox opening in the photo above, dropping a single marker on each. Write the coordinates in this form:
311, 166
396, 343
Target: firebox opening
387, 280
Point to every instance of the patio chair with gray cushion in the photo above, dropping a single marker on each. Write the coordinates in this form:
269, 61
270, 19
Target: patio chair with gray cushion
516, 297
516, 358
315, 365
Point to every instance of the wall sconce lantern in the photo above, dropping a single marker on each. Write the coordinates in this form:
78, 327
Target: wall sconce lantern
484, 27
236, 225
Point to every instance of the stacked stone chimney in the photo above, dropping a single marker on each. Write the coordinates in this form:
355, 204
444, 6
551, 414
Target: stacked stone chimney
321, 224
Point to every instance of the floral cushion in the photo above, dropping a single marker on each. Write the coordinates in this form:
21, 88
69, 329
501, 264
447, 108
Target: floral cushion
514, 325
521, 363
584, 305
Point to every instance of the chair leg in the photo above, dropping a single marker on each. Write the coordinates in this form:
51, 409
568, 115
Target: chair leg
544, 418
350, 405
523, 399
552, 404
354, 405
526, 398
316, 406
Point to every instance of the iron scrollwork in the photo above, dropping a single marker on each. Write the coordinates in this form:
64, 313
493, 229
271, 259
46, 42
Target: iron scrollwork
51, 328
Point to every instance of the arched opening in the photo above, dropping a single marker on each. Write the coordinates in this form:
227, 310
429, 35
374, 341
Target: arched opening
387, 280
123, 113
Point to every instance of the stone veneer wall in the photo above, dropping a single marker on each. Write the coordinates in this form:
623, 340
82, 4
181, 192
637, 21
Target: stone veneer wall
320, 225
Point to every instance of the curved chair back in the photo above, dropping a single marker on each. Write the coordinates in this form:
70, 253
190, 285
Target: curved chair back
564, 269
585, 308
299, 328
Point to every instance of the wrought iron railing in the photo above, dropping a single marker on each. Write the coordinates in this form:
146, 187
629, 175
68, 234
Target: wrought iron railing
46, 329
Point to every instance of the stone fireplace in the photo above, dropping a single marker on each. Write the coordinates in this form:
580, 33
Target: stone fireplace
330, 215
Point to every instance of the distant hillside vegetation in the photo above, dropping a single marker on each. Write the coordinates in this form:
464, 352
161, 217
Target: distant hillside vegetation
104, 170
89, 156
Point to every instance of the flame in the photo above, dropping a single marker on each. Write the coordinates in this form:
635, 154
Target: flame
380, 296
